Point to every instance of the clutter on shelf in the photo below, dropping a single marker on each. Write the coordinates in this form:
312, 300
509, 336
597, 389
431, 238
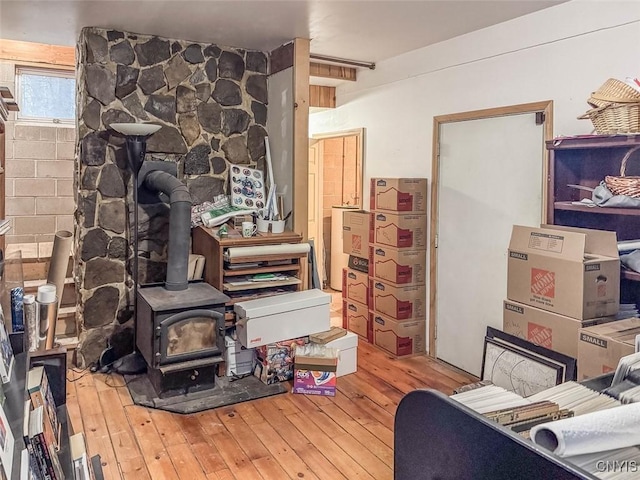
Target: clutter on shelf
615, 107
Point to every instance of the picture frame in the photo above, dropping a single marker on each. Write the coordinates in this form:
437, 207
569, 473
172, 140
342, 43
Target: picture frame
569, 364
6, 352
7, 444
517, 370
55, 365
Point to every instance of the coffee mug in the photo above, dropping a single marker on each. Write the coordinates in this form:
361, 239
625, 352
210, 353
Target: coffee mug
248, 229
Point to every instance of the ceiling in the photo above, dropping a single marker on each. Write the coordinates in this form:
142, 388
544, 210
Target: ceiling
368, 31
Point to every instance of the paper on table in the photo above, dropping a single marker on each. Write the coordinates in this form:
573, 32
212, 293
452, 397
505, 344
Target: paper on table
283, 248
599, 431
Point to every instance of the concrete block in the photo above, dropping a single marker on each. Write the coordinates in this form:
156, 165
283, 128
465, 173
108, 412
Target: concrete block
66, 134
34, 187
15, 206
55, 169
64, 188
55, 206
20, 168
34, 225
65, 150
36, 150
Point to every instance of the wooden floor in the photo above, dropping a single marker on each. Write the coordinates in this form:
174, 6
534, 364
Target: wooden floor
279, 437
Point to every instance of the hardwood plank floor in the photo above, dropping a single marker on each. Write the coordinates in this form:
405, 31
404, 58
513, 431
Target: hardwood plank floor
279, 437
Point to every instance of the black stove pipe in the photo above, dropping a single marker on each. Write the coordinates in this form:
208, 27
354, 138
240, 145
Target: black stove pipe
179, 226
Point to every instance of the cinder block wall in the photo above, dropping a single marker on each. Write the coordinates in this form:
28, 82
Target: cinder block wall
39, 175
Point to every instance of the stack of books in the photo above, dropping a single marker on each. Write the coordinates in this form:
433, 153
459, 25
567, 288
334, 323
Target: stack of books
41, 428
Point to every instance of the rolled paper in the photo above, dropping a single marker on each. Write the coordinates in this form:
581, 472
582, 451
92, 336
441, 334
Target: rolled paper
60, 260
46, 315
31, 325
600, 431
17, 310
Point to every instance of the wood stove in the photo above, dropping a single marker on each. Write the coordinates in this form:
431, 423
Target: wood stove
180, 334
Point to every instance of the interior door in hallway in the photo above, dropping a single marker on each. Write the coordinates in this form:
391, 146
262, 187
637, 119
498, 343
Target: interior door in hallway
489, 177
315, 206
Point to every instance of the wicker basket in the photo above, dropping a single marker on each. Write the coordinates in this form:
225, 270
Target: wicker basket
614, 91
623, 185
614, 118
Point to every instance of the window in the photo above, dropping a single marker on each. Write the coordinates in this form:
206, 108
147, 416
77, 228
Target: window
46, 95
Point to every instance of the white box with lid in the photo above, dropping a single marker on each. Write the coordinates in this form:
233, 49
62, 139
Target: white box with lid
238, 359
347, 346
280, 317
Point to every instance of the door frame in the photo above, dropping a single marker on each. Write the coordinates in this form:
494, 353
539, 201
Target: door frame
359, 133
546, 107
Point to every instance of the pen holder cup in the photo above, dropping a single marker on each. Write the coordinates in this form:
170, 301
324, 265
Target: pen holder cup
275, 226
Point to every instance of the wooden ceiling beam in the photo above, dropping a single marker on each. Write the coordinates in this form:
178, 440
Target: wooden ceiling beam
322, 96
326, 70
37, 53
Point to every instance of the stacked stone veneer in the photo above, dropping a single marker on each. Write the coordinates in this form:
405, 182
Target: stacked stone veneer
211, 103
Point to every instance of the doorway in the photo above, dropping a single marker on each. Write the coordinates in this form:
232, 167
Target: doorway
489, 171
335, 180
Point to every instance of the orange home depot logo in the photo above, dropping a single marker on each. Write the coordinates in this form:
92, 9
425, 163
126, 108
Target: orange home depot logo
356, 242
543, 283
539, 335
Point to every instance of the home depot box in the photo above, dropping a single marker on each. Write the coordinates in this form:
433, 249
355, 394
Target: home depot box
398, 302
355, 318
289, 315
398, 195
601, 347
400, 338
358, 263
399, 230
355, 285
399, 267
314, 374
274, 362
347, 347
570, 271
547, 329
355, 232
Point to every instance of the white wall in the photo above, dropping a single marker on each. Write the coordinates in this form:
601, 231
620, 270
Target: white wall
561, 54
280, 128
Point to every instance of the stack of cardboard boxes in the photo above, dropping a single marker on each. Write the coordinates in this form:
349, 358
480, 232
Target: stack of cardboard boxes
560, 280
386, 304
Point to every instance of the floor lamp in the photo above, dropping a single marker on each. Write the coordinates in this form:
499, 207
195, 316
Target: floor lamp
136, 135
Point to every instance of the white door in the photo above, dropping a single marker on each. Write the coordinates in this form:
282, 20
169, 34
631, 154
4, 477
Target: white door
490, 178
315, 203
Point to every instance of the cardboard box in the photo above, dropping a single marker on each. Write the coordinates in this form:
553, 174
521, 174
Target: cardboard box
274, 362
400, 338
358, 263
547, 329
570, 271
407, 195
355, 318
347, 353
398, 302
238, 360
601, 347
272, 319
315, 370
355, 286
399, 230
355, 232
398, 267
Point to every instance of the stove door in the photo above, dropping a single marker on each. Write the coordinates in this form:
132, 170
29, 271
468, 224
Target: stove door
190, 335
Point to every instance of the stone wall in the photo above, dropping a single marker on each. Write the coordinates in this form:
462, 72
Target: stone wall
211, 104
